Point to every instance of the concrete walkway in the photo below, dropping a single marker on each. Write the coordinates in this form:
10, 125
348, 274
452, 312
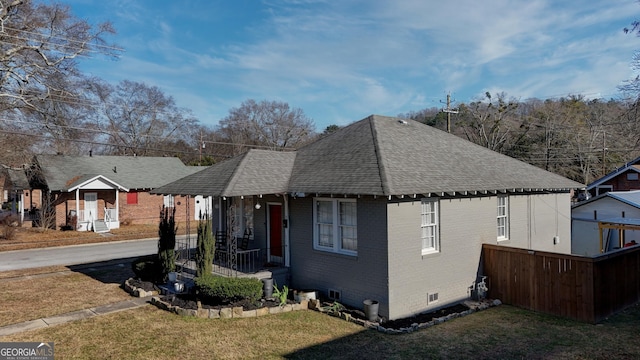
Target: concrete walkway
73, 316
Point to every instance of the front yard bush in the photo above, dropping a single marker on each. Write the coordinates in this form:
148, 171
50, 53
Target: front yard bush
8, 227
147, 268
222, 290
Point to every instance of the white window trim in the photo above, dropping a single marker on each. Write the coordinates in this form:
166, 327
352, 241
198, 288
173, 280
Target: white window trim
436, 247
337, 246
168, 201
505, 216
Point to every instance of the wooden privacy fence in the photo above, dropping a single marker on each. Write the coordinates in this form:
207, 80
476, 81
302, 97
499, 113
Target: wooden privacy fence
581, 288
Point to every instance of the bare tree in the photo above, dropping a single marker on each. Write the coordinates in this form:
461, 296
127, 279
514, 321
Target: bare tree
492, 123
268, 124
39, 45
139, 119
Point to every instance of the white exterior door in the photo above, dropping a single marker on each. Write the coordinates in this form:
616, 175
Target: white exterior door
90, 206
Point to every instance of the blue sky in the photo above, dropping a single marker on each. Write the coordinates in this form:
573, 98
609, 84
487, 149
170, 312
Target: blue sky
341, 61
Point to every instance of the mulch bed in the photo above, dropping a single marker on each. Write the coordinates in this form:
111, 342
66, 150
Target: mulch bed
189, 301
425, 317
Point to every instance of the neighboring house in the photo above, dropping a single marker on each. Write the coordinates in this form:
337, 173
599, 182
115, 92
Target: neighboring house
100, 192
15, 193
606, 222
624, 178
386, 209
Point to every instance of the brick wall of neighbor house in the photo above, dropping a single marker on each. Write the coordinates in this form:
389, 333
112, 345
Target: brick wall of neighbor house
358, 277
147, 210
465, 224
621, 183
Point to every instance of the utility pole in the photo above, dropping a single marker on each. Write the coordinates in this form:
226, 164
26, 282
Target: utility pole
449, 111
604, 153
200, 147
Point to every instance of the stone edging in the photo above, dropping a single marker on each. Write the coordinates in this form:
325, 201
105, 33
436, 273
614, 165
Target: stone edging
227, 313
473, 307
138, 292
239, 312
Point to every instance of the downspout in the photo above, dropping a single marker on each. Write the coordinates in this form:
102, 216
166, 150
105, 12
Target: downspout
287, 257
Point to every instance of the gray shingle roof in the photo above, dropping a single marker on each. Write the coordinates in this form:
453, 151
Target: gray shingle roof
18, 179
387, 156
252, 173
133, 172
375, 156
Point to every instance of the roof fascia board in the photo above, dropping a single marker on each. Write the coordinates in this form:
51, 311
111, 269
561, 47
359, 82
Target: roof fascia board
113, 183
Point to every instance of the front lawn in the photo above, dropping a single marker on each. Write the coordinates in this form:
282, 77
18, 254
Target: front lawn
502, 332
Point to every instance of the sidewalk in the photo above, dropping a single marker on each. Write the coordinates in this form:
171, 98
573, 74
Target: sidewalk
73, 316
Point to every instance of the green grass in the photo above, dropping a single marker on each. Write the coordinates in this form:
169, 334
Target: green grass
502, 332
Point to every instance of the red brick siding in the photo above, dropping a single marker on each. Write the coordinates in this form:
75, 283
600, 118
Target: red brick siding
147, 210
620, 182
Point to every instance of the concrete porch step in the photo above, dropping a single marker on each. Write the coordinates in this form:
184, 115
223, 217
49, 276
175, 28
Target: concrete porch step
100, 226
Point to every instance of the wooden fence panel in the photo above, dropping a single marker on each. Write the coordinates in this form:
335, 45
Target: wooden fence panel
581, 288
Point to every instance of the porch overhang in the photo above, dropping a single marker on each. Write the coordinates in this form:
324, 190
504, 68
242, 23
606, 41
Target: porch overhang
95, 182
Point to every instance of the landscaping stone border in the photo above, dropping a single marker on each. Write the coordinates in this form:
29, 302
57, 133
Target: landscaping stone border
239, 312
138, 292
228, 313
473, 306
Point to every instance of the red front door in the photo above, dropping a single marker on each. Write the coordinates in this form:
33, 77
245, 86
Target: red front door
275, 232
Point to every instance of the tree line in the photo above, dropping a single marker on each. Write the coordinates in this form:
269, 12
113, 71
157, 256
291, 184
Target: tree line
47, 105
581, 139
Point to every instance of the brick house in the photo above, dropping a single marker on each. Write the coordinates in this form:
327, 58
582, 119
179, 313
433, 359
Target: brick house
101, 192
386, 209
624, 178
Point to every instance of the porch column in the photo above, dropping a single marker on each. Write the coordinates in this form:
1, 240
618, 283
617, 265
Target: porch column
117, 206
78, 206
286, 231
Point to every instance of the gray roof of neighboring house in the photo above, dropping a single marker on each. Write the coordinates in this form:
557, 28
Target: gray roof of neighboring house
17, 178
378, 155
631, 198
133, 172
252, 173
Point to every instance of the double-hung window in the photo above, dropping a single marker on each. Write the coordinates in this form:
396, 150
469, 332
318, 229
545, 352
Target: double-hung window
503, 218
168, 201
430, 231
335, 226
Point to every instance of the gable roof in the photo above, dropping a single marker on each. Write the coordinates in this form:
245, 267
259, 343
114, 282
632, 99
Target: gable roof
631, 198
382, 155
17, 178
252, 173
378, 155
630, 166
62, 172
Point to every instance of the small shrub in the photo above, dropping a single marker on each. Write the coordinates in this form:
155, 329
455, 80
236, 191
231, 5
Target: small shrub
205, 249
281, 294
8, 227
167, 242
220, 289
147, 268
